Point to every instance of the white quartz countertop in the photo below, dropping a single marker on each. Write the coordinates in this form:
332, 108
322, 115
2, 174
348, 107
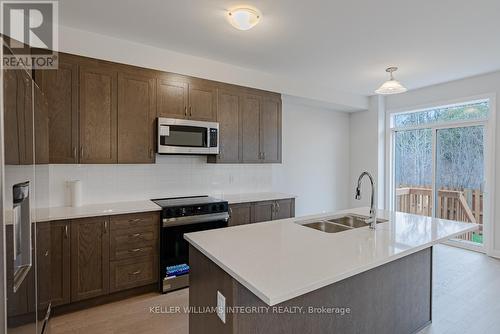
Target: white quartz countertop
117, 208
254, 197
281, 260
95, 210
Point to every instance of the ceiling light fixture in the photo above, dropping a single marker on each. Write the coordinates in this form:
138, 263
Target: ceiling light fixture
244, 18
391, 86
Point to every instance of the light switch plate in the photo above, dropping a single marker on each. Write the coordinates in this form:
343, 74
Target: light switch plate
221, 306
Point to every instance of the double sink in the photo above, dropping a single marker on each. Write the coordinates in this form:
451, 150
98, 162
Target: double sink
339, 224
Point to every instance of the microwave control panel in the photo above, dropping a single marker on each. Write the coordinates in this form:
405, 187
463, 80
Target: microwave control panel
213, 137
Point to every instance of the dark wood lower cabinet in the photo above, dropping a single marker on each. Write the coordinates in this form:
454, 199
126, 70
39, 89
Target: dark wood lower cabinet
89, 258
256, 212
88, 261
60, 262
240, 214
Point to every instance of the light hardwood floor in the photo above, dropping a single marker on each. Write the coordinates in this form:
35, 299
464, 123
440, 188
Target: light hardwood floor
466, 299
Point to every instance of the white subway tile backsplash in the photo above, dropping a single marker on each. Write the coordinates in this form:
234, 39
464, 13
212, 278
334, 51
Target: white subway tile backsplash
170, 176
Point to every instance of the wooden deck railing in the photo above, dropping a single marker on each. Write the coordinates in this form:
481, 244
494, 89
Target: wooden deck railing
451, 204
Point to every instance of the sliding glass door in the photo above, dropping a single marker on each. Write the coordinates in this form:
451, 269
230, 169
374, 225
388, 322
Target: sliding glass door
438, 164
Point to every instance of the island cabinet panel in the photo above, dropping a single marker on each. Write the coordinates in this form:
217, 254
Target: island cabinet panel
172, 98
399, 302
240, 214
60, 262
202, 102
98, 114
250, 129
228, 115
89, 258
60, 88
136, 118
271, 130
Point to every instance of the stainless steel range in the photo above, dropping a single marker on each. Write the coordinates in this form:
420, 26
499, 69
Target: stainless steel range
184, 215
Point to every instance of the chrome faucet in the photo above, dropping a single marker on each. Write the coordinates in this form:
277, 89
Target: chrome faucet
373, 213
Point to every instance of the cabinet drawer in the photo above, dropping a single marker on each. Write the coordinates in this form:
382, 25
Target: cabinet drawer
144, 220
131, 273
134, 242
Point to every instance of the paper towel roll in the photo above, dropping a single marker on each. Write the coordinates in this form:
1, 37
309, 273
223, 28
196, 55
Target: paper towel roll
76, 192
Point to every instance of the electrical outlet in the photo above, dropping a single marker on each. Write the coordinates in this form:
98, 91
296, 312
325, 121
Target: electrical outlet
221, 306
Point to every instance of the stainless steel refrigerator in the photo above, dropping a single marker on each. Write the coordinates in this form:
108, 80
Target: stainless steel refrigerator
25, 237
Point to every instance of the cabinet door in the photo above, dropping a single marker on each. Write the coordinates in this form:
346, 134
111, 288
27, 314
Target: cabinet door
284, 208
12, 121
172, 98
271, 130
240, 214
41, 114
60, 262
89, 258
61, 91
136, 118
250, 129
43, 265
228, 116
98, 114
263, 211
202, 102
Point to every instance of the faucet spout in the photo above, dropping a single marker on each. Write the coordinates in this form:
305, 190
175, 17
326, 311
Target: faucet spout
373, 213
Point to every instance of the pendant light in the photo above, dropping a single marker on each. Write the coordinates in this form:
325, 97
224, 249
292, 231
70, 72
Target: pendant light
391, 86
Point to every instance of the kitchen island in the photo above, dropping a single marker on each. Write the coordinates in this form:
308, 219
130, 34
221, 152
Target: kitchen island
284, 277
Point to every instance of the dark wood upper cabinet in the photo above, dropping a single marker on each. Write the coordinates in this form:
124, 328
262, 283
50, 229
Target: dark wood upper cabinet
89, 258
60, 88
202, 102
98, 114
136, 118
228, 116
250, 128
41, 114
12, 120
60, 247
172, 98
270, 132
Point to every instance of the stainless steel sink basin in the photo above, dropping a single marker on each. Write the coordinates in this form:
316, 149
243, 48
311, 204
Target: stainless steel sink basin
327, 227
353, 221
338, 224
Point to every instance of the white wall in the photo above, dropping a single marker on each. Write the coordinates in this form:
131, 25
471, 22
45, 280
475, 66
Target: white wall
315, 158
367, 152
170, 176
470, 87
315, 168
113, 49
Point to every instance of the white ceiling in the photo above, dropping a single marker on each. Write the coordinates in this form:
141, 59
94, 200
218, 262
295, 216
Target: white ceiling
345, 45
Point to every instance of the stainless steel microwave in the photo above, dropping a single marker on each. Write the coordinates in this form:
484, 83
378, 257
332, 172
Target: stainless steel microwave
182, 136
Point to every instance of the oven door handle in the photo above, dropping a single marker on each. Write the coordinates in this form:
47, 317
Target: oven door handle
188, 220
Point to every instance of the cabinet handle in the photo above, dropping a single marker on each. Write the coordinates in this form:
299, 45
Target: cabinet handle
190, 111
105, 226
135, 272
277, 207
135, 235
274, 208
74, 152
230, 212
81, 152
46, 253
185, 111
66, 231
135, 250
136, 220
